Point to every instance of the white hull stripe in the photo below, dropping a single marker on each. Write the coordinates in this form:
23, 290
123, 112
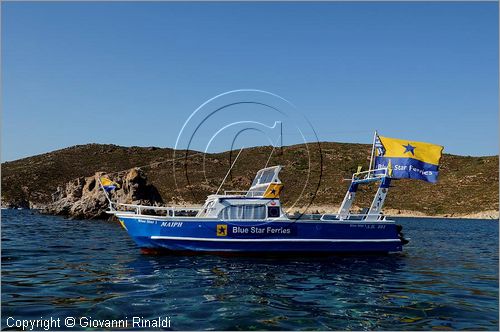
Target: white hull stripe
267, 240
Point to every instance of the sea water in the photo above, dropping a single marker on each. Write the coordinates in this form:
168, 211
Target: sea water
91, 271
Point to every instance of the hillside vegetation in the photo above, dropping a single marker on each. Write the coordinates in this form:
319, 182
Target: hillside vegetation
313, 175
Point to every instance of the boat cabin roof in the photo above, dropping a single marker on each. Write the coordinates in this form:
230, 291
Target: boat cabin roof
265, 186
263, 179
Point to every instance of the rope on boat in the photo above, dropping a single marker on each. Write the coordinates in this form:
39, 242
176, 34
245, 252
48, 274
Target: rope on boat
154, 164
274, 147
111, 203
230, 168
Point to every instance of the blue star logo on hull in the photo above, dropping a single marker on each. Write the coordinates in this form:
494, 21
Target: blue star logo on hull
221, 230
409, 148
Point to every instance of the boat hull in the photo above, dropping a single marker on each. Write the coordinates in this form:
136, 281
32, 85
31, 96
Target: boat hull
283, 236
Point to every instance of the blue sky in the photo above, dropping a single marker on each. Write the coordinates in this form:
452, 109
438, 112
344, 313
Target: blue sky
132, 73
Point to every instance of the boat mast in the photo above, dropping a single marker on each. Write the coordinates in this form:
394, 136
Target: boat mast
373, 151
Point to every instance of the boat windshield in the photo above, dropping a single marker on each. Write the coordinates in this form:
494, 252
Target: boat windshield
263, 178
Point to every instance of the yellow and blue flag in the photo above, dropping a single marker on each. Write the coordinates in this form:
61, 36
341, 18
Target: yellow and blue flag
273, 190
409, 159
108, 185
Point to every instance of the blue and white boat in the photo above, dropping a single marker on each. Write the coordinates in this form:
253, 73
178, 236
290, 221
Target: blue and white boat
254, 222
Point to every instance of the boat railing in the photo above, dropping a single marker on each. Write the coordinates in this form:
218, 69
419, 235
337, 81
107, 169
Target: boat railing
235, 192
139, 209
255, 193
250, 193
353, 216
373, 174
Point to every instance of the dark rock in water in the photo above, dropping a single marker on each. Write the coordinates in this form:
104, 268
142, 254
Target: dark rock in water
83, 198
16, 204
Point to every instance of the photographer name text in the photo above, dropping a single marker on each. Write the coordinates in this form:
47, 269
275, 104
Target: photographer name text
87, 322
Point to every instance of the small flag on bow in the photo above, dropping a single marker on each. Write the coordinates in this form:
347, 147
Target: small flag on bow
107, 184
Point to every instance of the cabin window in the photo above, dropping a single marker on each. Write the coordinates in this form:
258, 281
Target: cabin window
256, 180
267, 176
243, 212
264, 177
206, 209
273, 211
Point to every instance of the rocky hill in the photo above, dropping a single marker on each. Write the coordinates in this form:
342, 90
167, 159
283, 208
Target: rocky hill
313, 175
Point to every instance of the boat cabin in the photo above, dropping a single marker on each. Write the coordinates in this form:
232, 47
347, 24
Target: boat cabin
259, 202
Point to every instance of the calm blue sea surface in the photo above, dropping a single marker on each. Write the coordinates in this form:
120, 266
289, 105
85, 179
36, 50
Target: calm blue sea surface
446, 278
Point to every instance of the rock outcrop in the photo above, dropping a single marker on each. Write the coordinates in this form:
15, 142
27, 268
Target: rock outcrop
83, 198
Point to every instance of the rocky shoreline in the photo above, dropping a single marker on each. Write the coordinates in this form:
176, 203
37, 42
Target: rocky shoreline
64, 181
83, 198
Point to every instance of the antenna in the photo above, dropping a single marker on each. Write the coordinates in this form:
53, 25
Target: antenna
230, 168
280, 138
